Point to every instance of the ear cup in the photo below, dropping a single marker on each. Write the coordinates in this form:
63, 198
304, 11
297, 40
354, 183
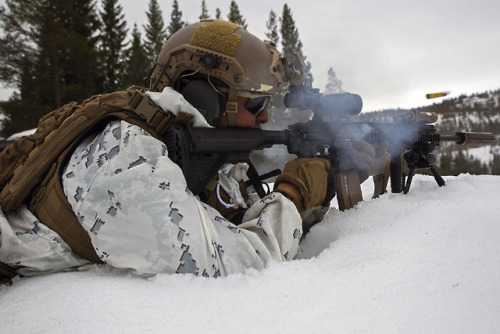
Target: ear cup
201, 95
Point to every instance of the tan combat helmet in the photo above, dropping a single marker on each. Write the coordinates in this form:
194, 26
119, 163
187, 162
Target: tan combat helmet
224, 51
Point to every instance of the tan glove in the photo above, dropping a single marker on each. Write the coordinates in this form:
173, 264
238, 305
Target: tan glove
304, 180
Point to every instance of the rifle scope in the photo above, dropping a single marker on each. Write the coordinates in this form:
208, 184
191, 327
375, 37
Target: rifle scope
331, 105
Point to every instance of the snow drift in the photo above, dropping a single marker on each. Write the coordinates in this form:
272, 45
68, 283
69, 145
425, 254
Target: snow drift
426, 262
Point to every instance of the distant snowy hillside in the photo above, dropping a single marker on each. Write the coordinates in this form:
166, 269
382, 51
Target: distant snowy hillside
426, 262
477, 113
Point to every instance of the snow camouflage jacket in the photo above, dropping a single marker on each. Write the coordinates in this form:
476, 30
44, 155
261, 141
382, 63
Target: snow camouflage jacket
31, 166
133, 202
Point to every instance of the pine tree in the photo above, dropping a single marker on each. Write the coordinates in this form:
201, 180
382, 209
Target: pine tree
55, 59
334, 85
445, 164
272, 27
156, 34
289, 33
460, 164
18, 50
18, 56
218, 14
235, 15
290, 38
204, 11
81, 75
112, 43
176, 22
136, 65
495, 165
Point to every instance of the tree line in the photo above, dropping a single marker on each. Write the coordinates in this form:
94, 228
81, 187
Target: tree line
57, 51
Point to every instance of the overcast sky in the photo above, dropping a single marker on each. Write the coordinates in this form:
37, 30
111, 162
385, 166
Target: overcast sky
391, 52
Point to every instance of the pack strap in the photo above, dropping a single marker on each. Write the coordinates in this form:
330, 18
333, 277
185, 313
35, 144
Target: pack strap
256, 180
146, 109
51, 206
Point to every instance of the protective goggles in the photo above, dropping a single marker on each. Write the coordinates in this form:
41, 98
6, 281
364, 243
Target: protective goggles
257, 104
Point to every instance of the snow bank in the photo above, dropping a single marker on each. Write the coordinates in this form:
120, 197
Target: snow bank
426, 262
21, 134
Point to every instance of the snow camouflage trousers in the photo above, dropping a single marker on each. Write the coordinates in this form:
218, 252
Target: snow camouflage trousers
134, 203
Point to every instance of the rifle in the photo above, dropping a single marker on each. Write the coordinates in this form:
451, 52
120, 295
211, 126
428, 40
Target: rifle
331, 133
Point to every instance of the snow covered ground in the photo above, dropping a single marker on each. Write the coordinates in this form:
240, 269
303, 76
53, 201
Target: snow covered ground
426, 262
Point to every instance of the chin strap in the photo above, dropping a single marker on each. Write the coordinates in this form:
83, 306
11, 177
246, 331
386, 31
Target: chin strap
232, 107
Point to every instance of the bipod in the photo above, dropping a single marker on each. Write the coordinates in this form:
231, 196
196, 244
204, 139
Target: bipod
416, 160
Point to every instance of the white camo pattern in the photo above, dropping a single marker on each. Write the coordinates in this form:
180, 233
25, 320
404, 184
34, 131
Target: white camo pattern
134, 203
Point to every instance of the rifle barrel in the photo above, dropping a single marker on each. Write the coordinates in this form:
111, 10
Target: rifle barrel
470, 138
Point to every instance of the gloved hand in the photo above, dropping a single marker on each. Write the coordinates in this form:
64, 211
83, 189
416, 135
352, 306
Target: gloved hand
304, 180
364, 156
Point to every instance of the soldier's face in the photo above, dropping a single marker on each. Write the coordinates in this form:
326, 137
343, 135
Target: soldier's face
246, 118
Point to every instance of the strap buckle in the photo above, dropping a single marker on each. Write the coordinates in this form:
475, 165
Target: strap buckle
146, 109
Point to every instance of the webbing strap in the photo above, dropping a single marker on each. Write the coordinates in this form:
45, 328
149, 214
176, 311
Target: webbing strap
253, 175
154, 116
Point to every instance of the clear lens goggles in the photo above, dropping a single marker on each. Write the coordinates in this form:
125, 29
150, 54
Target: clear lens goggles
257, 104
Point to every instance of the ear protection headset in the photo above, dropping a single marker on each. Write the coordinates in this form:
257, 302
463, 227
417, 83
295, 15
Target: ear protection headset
210, 103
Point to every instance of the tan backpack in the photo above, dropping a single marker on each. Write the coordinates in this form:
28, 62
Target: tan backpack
30, 168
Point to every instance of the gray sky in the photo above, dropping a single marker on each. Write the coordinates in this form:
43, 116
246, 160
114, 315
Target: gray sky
391, 52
